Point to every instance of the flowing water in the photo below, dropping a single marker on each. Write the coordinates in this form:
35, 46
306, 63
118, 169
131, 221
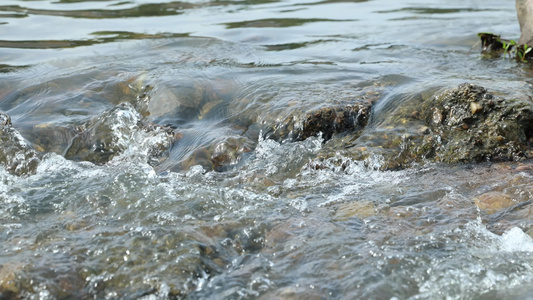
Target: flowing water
263, 223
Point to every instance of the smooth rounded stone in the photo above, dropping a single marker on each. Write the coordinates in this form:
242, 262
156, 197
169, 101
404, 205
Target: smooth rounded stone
73, 223
358, 209
403, 212
199, 157
110, 134
214, 152
494, 201
281, 233
16, 155
186, 101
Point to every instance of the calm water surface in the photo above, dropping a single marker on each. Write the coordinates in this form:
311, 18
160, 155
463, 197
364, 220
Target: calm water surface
264, 224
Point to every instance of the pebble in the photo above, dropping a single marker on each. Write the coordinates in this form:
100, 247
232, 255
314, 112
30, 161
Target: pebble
475, 107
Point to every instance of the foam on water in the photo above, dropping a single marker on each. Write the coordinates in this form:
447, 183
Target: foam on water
126, 199
486, 263
516, 240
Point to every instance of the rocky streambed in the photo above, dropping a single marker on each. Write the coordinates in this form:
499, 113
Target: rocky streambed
463, 124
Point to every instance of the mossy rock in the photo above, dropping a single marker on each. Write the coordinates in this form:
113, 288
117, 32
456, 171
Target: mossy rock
463, 124
469, 124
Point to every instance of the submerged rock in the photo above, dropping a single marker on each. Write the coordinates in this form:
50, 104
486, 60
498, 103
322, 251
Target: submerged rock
293, 293
492, 202
351, 209
184, 102
463, 124
9, 285
16, 155
229, 152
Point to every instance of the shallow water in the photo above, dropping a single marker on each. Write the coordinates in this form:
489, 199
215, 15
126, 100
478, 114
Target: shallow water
230, 210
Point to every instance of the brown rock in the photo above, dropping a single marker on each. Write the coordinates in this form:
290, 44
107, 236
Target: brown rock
359, 209
8, 278
492, 202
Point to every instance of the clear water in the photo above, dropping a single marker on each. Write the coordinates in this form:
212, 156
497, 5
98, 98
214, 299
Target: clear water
267, 225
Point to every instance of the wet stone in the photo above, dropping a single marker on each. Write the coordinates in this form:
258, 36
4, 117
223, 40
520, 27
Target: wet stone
492, 202
9, 285
16, 155
229, 152
180, 103
358, 209
493, 128
47, 137
110, 134
463, 124
328, 121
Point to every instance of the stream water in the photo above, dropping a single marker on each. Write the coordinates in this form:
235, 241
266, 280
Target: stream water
265, 224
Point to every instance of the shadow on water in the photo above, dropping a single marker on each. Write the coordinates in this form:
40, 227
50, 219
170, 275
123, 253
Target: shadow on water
143, 10
277, 23
100, 38
437, 11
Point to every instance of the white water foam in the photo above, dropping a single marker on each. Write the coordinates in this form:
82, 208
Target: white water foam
494, 262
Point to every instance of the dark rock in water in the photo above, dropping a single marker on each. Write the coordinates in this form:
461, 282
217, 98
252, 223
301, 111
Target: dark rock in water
48, 137
464, 124
327, 120
470, 124
16, 155
111, 133
229, 151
